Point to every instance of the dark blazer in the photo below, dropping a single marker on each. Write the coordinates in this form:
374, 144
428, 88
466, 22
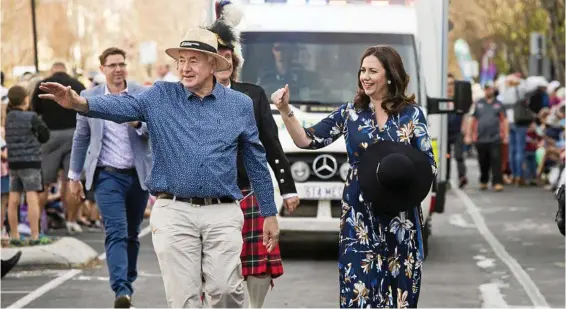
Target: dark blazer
268, 135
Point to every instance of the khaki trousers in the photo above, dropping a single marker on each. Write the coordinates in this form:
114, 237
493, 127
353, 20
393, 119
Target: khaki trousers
192, 241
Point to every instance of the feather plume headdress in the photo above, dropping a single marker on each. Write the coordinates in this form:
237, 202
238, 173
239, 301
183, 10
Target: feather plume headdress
228, 17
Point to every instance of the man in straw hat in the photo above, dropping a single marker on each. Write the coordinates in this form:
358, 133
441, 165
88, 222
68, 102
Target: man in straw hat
196, 128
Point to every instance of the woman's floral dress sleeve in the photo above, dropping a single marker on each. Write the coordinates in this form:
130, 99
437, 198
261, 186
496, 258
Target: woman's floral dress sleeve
328, 129
421, 139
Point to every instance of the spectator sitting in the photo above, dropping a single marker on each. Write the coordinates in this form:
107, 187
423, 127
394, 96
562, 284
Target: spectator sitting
553, 88
553, 146
532, 143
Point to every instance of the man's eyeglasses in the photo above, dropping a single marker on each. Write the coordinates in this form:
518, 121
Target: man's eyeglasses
113, 66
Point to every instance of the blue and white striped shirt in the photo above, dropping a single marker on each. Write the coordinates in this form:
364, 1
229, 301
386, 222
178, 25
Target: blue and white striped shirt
194, 140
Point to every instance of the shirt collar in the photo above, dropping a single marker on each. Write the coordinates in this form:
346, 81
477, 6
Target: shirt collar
217, 91
107, 91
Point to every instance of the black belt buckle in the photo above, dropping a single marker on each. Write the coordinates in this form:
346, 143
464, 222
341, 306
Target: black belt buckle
197, 200
126, 171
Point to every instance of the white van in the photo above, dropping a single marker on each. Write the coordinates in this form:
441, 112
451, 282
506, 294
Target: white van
320, 43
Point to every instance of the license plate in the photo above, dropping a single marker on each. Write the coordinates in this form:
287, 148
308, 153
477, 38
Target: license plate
324, 193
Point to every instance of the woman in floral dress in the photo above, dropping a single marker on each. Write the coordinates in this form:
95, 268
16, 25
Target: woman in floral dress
381, 255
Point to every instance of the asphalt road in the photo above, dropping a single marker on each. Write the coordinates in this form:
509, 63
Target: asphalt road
487, 250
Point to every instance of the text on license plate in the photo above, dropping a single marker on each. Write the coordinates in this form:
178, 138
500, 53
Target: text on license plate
324, 193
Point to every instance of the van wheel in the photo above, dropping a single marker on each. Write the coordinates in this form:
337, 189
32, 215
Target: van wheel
426, 235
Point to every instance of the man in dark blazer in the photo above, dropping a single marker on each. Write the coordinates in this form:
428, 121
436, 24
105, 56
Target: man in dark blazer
259, 267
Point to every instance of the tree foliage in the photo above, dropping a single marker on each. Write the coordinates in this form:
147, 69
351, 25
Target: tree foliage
509, 24
77, 31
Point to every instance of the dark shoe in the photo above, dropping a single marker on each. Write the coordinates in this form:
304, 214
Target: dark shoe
42, 240
123, 301
8, 264
463, 182
18, 242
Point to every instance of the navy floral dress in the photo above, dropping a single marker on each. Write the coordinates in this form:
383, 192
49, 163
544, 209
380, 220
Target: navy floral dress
381, 257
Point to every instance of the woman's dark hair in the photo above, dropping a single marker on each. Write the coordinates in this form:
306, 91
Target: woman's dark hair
396, 99
235, 67
16, 98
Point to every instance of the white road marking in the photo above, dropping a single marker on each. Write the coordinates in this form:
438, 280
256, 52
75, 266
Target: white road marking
520, 274
91, 278
24, 301
106, 278
36, 273
484, 262
458, 220
491, 296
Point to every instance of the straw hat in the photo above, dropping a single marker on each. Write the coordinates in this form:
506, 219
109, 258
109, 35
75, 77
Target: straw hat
200, 40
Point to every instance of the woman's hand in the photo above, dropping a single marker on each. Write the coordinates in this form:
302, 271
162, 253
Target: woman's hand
281, 99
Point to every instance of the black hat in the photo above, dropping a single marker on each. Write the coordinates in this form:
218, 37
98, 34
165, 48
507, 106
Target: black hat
394, 177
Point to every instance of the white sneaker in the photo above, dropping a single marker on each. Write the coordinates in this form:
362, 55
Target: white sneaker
77, 227
73, 227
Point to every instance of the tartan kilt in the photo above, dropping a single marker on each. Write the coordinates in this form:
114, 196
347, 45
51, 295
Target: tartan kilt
255, 259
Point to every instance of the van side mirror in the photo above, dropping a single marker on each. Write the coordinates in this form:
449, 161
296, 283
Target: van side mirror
462, 96
459, 104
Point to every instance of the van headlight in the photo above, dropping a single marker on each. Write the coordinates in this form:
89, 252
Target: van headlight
344, 168
300, 171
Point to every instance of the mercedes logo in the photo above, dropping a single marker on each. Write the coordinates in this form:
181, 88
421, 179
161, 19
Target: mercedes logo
325, 166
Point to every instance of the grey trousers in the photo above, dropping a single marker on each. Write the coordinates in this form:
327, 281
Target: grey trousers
193, 241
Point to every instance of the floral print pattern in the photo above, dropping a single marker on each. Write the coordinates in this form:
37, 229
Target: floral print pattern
380, 256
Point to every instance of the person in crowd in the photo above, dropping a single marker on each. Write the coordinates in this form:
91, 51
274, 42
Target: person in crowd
553, 88
3, 90
489, 130
57, 151
559, 194
553, 131
197, 127
538, 97
5, 184
259, 267
25, 132
164, 73
515, 94
117, 164
532, 144
456, 129
381, 111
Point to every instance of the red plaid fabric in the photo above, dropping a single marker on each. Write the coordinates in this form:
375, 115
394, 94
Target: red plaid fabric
255, 258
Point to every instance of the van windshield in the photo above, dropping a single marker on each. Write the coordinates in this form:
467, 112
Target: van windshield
320, 68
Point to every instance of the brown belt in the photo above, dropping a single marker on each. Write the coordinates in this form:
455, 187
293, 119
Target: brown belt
196, 200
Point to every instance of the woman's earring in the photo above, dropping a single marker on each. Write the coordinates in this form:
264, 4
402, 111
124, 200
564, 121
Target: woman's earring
389, 82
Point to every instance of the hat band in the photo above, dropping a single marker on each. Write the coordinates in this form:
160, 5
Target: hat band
198, 45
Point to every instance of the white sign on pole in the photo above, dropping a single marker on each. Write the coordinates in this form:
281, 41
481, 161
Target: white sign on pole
148, 52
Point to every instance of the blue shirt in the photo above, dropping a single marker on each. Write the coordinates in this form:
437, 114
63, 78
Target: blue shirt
195, 141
